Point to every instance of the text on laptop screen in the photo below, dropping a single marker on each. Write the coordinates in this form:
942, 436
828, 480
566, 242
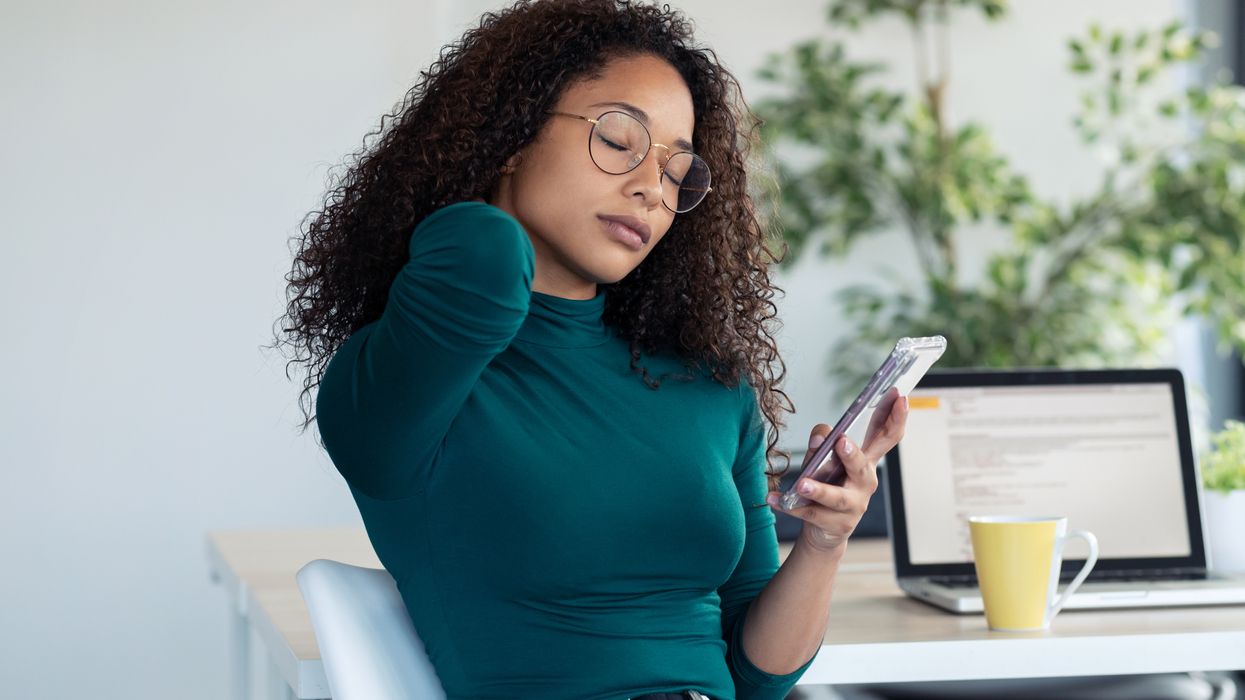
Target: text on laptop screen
1104, 455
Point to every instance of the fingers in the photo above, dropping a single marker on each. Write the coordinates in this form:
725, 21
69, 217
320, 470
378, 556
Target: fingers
860, 467
834, 509
862, 476
861, 471
815, 438
886, 428
882, 412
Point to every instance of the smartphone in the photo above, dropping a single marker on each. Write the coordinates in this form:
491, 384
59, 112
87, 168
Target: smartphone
902, 369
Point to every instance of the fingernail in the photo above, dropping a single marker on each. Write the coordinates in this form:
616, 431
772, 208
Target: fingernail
805, 487
816, 441
848, 448
772, 499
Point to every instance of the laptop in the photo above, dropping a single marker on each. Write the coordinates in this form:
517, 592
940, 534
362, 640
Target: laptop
1108, 449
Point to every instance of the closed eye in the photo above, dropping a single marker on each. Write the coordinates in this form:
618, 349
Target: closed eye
611, 144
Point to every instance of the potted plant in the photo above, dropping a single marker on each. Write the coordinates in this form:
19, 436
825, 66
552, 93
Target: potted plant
1094, 281
1223, 476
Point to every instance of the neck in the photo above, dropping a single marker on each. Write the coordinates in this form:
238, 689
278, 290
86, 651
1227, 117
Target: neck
579, 290
556, 280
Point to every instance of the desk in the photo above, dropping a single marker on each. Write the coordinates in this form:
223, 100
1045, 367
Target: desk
876, 633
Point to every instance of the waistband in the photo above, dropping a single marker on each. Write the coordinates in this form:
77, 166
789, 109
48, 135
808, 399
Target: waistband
681, 695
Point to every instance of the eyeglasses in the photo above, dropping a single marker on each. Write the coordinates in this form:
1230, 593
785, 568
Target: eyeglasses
618, 144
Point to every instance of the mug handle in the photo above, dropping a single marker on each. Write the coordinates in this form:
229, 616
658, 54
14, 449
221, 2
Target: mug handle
1080, 577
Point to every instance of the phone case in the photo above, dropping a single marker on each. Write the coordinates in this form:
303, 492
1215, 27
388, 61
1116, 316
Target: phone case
903, 368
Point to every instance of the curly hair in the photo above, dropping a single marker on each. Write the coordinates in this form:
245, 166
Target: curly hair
704, 294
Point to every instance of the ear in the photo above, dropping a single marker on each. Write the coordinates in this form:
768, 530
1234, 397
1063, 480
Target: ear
512, 163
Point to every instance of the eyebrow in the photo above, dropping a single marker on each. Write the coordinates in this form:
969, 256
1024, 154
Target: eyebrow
643, 117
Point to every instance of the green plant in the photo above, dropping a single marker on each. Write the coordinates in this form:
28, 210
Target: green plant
1085, 283
1223, 467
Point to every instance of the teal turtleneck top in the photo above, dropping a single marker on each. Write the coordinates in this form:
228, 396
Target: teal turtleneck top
556, 528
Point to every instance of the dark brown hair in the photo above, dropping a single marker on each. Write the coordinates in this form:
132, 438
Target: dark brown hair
703, 294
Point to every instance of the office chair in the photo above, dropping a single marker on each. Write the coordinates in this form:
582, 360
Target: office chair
368, 645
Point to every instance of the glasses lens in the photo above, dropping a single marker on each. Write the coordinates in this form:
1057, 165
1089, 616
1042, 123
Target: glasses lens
619, 143
685, 182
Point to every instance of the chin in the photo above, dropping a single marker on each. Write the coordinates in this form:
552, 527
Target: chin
612, 271
614, 278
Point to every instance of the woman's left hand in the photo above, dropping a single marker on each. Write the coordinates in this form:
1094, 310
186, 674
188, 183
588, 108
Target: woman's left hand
834, 511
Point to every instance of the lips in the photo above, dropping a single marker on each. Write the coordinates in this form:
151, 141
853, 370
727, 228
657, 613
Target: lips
634, 223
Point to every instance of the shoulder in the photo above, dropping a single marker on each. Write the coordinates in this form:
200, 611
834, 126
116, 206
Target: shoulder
749, 404
471, 213
741, 393
476, 226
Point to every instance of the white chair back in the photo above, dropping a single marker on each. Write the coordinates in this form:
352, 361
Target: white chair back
368, 645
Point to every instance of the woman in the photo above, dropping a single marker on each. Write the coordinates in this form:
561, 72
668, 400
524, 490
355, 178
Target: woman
557, 213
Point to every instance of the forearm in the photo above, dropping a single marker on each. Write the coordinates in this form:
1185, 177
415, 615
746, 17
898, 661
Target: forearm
787, 620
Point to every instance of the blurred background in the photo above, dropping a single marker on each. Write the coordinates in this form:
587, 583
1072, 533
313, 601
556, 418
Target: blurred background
1073, 164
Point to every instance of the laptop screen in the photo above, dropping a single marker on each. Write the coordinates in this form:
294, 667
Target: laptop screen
1105, 454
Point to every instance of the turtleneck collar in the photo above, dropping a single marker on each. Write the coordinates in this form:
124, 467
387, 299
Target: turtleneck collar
565, 323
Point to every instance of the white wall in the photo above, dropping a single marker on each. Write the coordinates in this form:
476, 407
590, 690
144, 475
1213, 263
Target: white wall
157, 157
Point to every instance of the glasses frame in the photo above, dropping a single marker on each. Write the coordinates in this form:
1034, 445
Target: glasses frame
661, 165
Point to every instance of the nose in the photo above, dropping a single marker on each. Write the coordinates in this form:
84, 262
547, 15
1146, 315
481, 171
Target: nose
645, 181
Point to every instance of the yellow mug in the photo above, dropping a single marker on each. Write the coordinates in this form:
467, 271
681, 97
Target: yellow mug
1018, 561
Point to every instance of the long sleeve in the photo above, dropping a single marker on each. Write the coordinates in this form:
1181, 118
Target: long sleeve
757, 565
390, 392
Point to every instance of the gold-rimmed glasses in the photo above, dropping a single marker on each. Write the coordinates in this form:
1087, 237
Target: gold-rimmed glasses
619, 142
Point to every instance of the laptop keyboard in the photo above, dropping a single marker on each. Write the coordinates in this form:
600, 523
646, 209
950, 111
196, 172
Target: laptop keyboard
1114, 576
